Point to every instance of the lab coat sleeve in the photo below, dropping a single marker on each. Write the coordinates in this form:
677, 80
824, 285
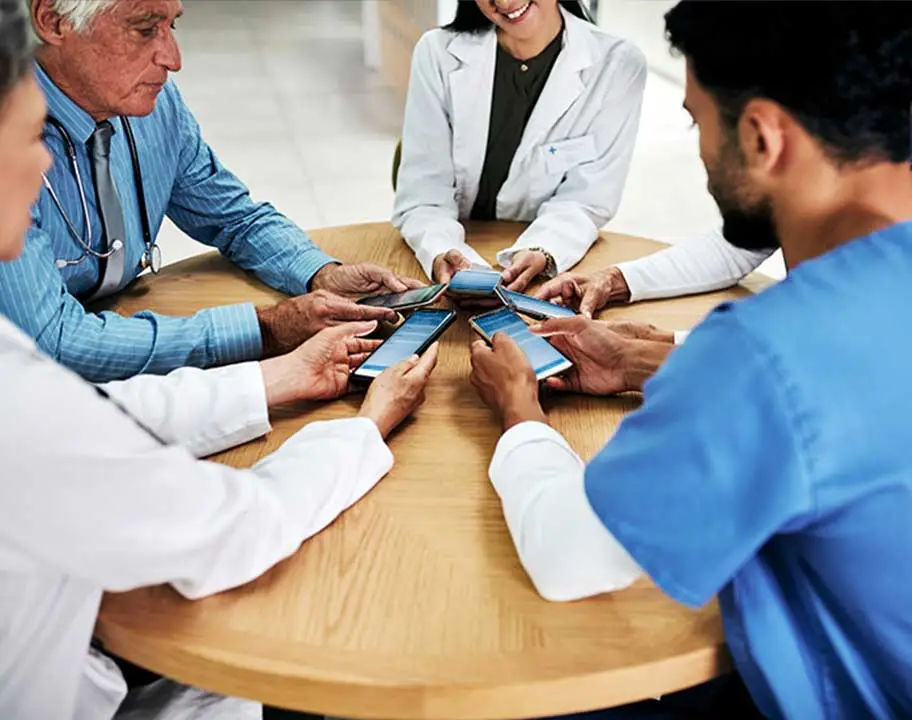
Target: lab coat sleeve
590, 193
426, 211
205, 411
88, 491
563, 546
705, 263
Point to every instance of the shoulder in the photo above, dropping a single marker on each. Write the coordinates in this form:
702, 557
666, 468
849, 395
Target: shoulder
614, 54
432, 46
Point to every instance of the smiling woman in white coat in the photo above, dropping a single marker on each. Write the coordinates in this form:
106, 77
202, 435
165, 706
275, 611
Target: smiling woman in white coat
518, 110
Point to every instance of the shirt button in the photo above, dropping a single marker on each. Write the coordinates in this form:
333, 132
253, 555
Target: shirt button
524, 67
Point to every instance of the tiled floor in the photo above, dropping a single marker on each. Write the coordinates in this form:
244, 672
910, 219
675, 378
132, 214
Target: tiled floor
282, 95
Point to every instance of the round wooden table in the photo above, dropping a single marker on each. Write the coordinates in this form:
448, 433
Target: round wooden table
413, 604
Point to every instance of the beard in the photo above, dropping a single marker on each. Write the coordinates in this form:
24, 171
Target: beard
748, 226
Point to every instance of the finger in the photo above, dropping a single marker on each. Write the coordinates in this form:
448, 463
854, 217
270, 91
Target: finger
425, 366
524, 279
558, 326
357, 360
457, 260
412, 283
354, 329
590, 302
385, 278
551, 289
338, 308
356, 345
403, 367
558, 383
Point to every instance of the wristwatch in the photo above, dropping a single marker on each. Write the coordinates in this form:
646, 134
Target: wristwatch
550, 270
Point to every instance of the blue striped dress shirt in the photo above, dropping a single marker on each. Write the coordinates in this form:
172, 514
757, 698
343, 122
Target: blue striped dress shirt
184, 180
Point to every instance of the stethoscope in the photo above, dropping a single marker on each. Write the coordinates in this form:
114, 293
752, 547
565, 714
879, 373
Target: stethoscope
151, 257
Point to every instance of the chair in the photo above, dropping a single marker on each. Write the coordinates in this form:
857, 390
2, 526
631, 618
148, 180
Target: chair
397, 161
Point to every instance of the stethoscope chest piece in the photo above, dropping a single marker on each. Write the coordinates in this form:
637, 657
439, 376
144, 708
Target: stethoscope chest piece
152, 259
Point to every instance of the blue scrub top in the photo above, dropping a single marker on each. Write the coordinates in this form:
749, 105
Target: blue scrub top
771, 464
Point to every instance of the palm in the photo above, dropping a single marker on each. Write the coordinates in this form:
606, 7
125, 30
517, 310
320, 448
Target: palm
325, 368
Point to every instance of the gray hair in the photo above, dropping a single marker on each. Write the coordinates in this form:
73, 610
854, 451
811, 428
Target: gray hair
81, 13
15, 46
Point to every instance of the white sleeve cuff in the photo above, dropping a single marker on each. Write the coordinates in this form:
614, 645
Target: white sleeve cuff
680, 336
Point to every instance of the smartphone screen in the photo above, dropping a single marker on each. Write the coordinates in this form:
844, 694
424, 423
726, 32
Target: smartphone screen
533, 307
475, 282
544, 358
412, 337
409, 298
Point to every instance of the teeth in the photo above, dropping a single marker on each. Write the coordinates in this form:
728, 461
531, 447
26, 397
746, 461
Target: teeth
518, 13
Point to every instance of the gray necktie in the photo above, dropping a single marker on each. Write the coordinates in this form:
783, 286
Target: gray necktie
110, 209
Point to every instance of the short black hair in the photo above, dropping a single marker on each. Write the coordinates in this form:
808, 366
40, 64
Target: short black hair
842, 69
470, 19
15, 46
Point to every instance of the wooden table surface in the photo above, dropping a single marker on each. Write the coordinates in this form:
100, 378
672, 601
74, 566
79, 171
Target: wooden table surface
413, 604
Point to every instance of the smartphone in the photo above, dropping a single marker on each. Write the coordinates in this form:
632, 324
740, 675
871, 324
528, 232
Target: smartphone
542, 355
474, 283
533, 307
407, 300
412, 337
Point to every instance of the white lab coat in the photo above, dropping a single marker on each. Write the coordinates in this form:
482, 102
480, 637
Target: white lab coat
569, 171
91, 501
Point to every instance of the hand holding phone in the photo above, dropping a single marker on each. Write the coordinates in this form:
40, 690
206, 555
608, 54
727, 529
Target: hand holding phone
474, 284
412, 337
545, 359
533, 307
408, 300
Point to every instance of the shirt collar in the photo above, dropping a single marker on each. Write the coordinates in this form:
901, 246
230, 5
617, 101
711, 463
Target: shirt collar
78, 123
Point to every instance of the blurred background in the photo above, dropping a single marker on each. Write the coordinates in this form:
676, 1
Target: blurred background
303, 100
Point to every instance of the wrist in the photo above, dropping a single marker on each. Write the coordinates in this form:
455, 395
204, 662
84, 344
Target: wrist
641, 360
281, 382
266, 318
319, 279
377, 420
522, 409
618, 289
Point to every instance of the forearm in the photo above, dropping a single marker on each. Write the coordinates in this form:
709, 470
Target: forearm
562, 545
703, 264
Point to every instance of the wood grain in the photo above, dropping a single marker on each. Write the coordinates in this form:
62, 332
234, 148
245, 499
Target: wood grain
413, 604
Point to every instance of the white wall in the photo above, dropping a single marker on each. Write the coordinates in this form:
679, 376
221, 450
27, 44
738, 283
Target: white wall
643, 22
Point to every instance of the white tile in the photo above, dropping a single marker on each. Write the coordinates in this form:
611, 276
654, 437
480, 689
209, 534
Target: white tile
350, 157
344, 203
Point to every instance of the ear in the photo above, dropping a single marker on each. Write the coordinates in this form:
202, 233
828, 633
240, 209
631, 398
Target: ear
762, 133
49, 26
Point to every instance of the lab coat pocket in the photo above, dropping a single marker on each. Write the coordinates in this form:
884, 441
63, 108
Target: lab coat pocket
563, 155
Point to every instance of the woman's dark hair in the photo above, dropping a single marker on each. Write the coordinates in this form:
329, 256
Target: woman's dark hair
15, 45
843, 69
469, 17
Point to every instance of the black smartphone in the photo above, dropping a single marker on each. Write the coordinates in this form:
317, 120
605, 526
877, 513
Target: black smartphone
533, 307
545, 359
412, 337
407, 300
474, 283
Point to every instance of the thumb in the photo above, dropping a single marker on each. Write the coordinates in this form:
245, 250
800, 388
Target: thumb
557, 326
428, 361
558, 383
355, 329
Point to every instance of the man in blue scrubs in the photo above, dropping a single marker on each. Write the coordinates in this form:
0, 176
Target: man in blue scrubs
771, 462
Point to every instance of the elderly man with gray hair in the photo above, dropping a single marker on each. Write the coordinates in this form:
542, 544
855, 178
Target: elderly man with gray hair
128, 152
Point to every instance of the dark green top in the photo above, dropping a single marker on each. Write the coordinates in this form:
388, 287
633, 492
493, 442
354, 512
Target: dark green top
517, 87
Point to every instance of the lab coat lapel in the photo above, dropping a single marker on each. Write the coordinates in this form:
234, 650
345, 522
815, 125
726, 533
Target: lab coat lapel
564, 86
471, 88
